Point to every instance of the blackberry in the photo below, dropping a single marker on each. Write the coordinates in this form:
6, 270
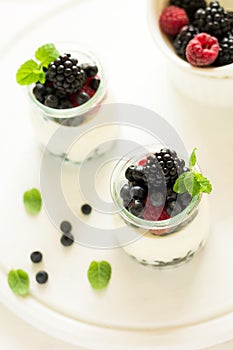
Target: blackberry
183, 38
66, 75
225, 55
213, 20
190, 6
163, 167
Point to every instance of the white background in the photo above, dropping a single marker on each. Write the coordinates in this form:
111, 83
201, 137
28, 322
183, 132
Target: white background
17, 17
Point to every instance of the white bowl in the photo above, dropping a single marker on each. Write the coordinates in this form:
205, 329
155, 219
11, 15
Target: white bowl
213, 86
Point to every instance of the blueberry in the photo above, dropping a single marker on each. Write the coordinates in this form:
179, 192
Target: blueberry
173, 208
129, 173
42, 277
138, 192
185, 199
66, 104
125, 192
157, 199
136, 207
51, 101
86, 209
138, 173
67, 239
94, 83
82, 97
39, 91
91, 71
36, 257
65, 227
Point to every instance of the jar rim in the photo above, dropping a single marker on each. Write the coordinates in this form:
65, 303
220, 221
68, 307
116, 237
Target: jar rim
121, 166
86, 107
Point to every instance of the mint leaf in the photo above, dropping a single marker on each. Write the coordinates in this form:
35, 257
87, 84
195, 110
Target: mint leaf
193, 158
32, 201
179, 186
191, 184
99, 274
46, 54
205, 185
19, 282
30, 72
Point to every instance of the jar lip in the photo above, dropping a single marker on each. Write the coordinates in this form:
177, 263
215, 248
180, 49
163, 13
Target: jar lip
75, 111
121, 165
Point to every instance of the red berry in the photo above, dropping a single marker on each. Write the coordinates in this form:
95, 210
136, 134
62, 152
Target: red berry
142, 162
202, 50
172, 19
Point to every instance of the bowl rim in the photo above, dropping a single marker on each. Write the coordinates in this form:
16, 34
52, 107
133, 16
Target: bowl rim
210, 72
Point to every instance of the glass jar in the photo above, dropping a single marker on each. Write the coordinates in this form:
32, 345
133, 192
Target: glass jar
64, 131
163, 243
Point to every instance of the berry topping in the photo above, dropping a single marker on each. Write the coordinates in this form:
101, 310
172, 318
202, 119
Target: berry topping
225, 55
183, 38
86, 209
190, 6
42, 277
173, 19
90, 70
213, 20
65, 227
67, 239
36, 257
202, 50
94, 83
65, 74
82, 98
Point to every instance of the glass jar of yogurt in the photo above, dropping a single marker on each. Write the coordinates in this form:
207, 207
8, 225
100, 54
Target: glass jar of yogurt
72, 133
168, 240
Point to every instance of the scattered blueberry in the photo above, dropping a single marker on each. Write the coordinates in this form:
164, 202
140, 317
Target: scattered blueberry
65, 227
67, 239
42, 277
36, 257
86, 209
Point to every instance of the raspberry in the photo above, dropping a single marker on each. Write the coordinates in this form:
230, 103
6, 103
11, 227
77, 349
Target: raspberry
172, 20
183, 38
202, 50
190, 6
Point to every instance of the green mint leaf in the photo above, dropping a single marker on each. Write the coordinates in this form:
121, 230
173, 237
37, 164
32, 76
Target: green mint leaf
32, 201
30, 72
99, 274
19, 282
193, 158
46, 54
179, 186
191, 184
205, 185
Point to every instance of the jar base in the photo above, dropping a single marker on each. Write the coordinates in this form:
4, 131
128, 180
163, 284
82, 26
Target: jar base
176, 262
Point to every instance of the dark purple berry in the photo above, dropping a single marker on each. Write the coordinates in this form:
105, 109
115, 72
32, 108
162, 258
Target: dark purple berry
125, 192
51, 101
90, 70
137, 192
136, 208
86, 209
36, 257
65, 226
42, 277
67, 239
82, 97
94, 83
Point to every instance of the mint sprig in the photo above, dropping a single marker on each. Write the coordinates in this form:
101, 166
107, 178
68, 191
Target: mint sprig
31, 71
19, 282
191, 181
99, 274
32, 201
